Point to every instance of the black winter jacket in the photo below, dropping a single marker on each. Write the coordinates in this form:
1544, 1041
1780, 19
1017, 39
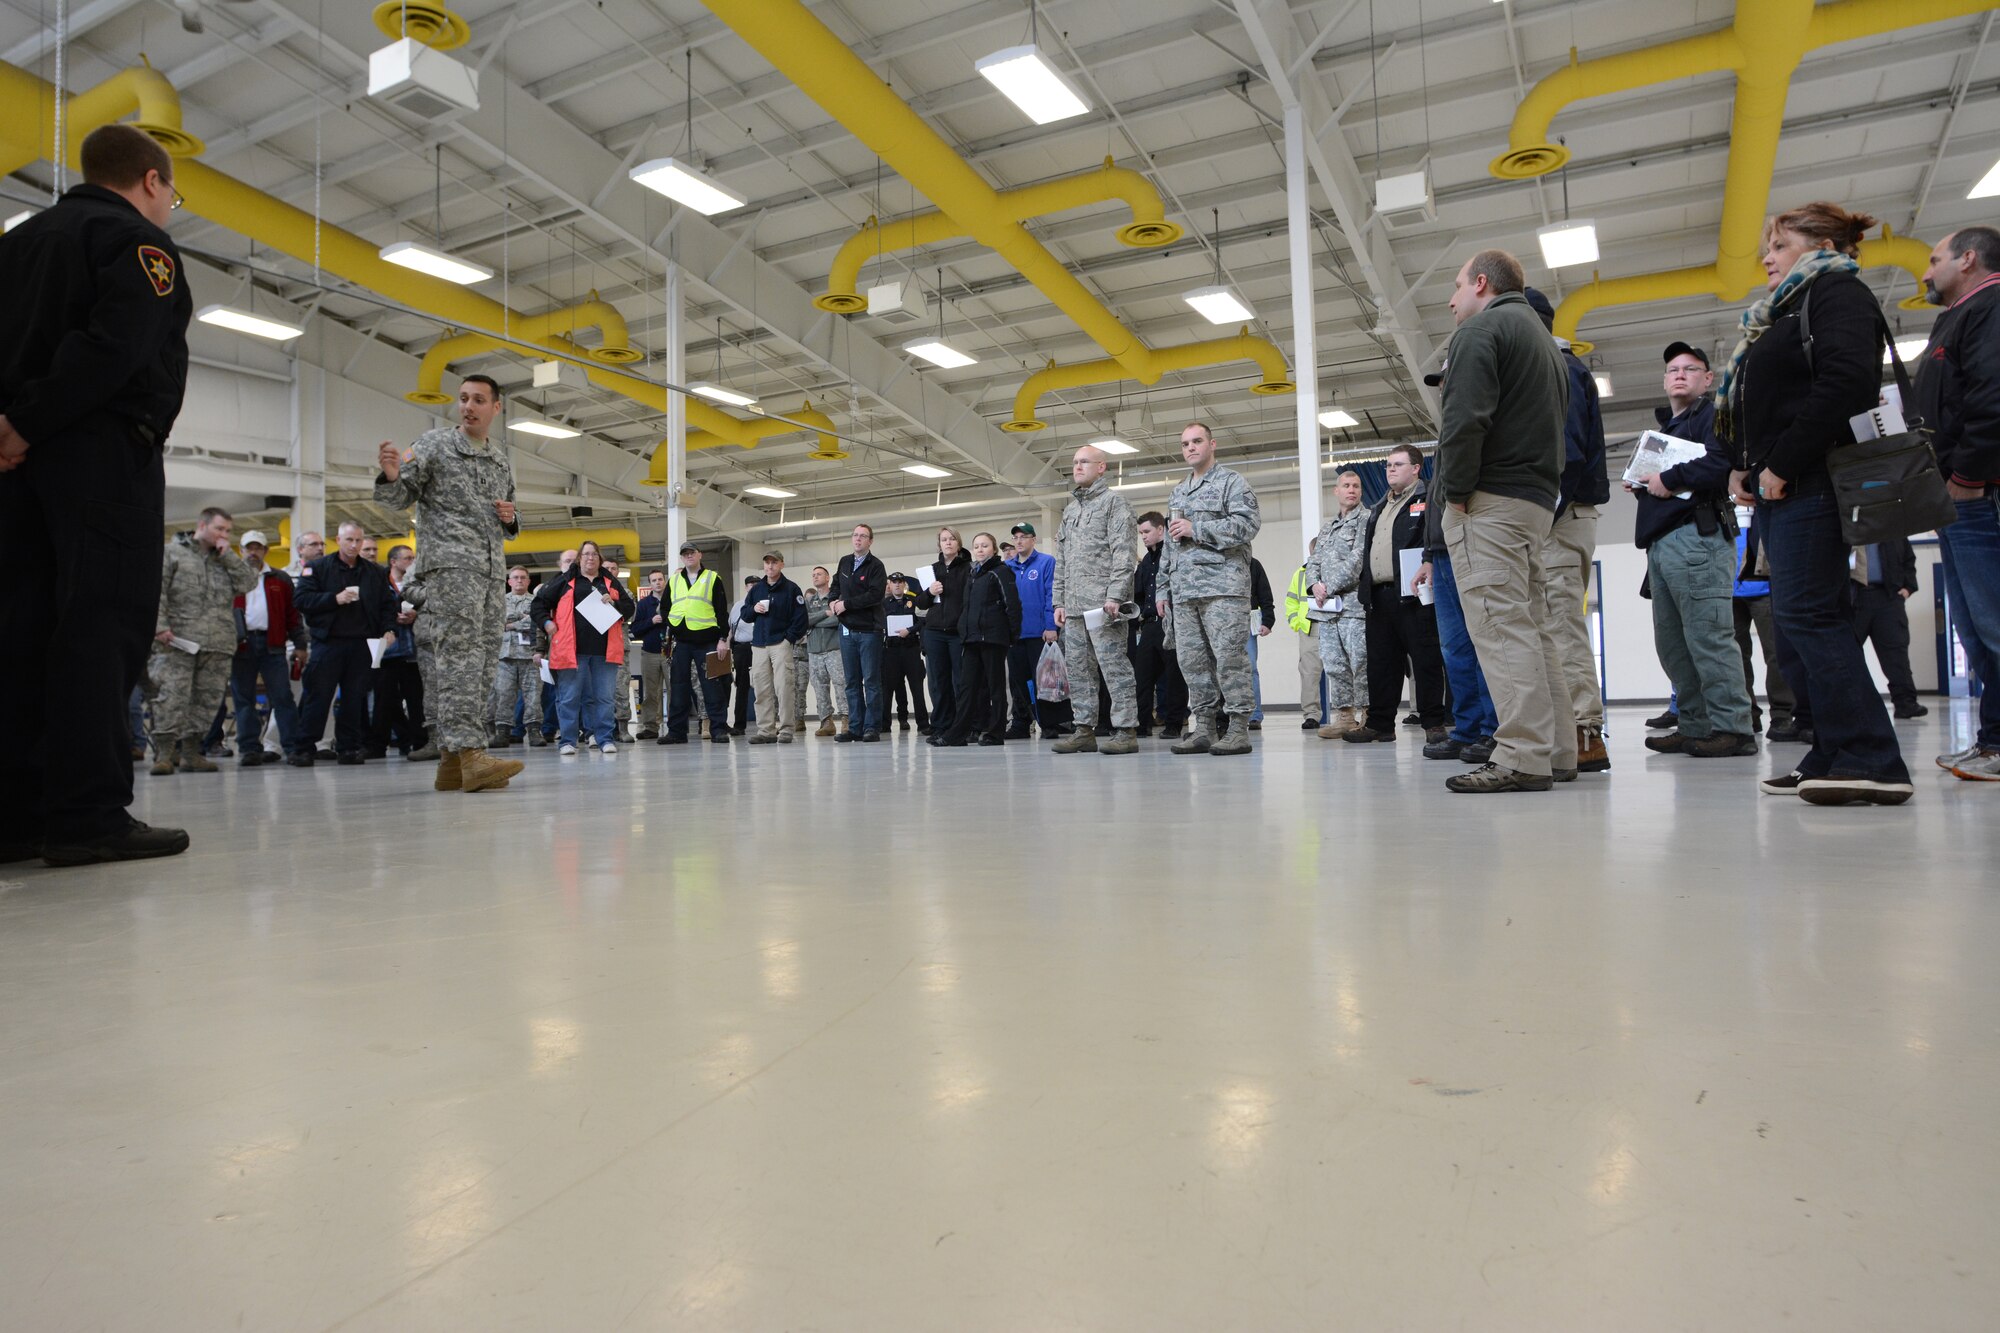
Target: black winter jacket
860, 588
1958, 388
318, 593
1790, 415
992, 611
945, 608
1408, 535
1585, 479
1707, 478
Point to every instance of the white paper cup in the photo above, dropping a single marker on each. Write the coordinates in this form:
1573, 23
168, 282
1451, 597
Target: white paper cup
1426, 594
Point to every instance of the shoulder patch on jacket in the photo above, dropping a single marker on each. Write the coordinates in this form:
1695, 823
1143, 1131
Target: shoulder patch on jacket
159, 267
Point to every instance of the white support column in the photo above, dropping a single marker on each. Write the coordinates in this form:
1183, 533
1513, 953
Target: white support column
309, 425
677, 413
1305, 351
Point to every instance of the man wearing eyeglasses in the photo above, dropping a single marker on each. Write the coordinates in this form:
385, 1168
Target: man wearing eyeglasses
93, 364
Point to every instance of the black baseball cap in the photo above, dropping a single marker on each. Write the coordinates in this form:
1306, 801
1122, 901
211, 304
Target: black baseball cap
1540, 304
1686, 349
899, 578
1020, 528
687, 547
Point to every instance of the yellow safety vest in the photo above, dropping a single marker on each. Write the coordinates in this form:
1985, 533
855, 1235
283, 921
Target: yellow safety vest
1296, 599
693, 607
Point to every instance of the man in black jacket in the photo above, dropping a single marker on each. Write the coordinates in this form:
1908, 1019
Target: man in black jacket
776, 609
1885, 574
859, 585
347, 602
93, 363
1401, 629
903, 657
1958, 396
1154, 661
1686, 527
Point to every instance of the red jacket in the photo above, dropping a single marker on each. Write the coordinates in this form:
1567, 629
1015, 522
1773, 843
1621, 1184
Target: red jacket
556, 600
285, 621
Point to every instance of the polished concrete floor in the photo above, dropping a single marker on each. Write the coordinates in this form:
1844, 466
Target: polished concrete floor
883, 1038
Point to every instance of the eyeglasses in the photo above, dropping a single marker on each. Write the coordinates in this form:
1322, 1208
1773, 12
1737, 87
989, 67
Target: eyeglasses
178, 200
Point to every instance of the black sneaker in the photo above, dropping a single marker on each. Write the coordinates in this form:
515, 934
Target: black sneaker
993, 740
134, 842
250, 758
1309, 724
1479, 752
325, 756
1663, 721
300, 759
1412, 720
1853, 791
1671, 743
1788, 785
349, 759
1722, 745
719, 737
1911, 709
1445, 749
1364, 736
1786, 732
871, 736
846, 736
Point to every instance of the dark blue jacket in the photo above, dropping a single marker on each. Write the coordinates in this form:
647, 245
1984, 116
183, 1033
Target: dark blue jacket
1585, 479
652, 638
785, 622
1707, 478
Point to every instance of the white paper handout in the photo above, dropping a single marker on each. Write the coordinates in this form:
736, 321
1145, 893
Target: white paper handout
548, 676
899, 623
185, 645
376, 648
1407, 561
1879, 423
1330, 607
601, 614
926, 575
1655, 453
1093, 619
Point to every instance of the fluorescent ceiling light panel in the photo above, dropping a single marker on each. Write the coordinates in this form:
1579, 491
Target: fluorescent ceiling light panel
722, 395
1030, 82
19, 218
548, 428
771, 492
1603, 386
1988, 186
926, 470
1218, 305
437, 263
1568, 243
1909, 349
1336, 419
242, 321
687, 185
938, 353
1113, 446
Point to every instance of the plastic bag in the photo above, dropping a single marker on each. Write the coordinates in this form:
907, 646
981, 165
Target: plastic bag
1051, 676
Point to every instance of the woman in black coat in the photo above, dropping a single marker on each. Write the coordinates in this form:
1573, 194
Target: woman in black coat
944, 601
1783, 411
988, 626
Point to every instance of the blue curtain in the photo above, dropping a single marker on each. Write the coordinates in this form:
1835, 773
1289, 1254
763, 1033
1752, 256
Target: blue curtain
1375, 479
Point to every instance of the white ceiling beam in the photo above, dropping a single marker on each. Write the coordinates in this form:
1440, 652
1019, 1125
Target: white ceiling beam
28, 52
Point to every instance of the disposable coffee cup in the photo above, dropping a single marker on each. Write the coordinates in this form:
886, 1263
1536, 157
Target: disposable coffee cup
1426, 594
763, 606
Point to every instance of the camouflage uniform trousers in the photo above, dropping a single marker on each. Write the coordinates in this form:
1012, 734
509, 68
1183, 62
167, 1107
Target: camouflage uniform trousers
517, 678
1215, 654
1343, 651
801, 678
829, 678
458, 652
188, 688
1087, 653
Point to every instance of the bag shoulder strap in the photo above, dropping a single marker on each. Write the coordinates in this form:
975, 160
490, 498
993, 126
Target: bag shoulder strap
1889, 338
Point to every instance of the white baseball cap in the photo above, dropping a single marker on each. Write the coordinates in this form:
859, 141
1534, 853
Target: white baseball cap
255, 538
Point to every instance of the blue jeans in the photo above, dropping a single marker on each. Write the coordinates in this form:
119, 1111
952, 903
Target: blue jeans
584, 694
1971, 550
1472, 715
136, 715
244, 672
1852, 734
861, 659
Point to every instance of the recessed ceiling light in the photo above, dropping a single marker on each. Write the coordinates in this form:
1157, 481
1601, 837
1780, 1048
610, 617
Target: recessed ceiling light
722, 395
1114, 446
1030, 82
771, 492
939, 353
437, 263
1336, 419
1218, 305
530, 426
1568, 243
242, 321
685, 184
926, 470
1907, 349
1987, 186
20, 217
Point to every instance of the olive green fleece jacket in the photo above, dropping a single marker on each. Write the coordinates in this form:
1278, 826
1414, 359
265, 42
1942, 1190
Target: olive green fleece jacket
1506, 401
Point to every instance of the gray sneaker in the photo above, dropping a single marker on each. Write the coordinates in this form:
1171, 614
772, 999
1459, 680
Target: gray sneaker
1957, 757
1983, 766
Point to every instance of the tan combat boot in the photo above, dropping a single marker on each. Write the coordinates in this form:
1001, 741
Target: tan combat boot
840, 726
193, 760
448, 775
1235, 739
1591, 756
480, 771
1341, 723
1197, 739
825, 728
1081, 741
163, 756
1125, 740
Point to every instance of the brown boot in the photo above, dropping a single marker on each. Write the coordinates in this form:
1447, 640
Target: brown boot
163, 756
825, 728
448, 775
1591, 756
480, 771
192, 760
1339, 725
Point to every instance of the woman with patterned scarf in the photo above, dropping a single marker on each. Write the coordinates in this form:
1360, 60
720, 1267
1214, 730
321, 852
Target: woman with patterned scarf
1780, 413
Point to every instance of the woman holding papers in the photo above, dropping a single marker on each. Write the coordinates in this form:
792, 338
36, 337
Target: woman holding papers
583, 610
941, 594
988, 626
1783, 407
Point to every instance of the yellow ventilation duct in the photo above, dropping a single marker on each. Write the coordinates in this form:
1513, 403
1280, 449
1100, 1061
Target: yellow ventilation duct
1763, 48
803, 49
1148, 228
827, 449
1215, 352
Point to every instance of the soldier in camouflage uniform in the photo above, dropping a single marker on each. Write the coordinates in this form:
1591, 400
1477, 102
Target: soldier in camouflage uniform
462, 488
1094, 573
1334, 570
200, 579
829, 676
519, 679
1205, 582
